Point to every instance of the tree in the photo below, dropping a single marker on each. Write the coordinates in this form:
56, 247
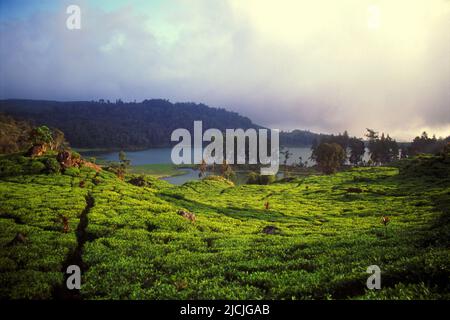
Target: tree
357, 150
301, 163
256, 178
58, 140
124, 163
123, 159
390, 150
329, 157
252, 178
372, 136
382, 149
105, 126
202, 168
343, 140
445, 151
226, 170
287, 154
14, 134
41, 136
425, 144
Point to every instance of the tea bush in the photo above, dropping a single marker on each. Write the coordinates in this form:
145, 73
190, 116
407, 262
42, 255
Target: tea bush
138, 247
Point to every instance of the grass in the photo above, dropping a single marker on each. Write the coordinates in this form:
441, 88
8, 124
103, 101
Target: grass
138, 247
157, 170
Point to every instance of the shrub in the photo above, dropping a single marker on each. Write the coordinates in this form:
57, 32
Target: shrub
36, 167
75, 155
255, 178
220, 179
426, 166
22, 160
139, 181
15, 166
9, 168
52, 166
252, 178
266, 179
72, 171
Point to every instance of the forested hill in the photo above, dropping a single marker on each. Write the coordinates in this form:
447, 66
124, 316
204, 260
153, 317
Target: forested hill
102, 124
300, 138
121, 125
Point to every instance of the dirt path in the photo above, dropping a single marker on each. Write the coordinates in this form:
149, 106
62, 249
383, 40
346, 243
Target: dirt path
75, 257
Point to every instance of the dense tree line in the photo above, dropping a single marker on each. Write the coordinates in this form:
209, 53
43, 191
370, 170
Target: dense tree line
383, 149
14, 134
425, 144
333, 151
299, 138
330, 152
353, 148
120, 125
17, 135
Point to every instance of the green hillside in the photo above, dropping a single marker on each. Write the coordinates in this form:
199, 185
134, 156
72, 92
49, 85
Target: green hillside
315, 241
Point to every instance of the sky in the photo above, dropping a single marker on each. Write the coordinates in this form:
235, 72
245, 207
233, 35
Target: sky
324, 65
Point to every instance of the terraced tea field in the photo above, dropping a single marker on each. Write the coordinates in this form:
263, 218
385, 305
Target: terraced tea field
315, 240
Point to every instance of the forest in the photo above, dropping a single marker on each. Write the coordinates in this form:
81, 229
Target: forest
131, 125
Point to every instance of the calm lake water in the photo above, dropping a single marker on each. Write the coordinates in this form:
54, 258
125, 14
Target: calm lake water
162, 156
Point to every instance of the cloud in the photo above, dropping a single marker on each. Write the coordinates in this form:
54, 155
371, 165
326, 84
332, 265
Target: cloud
320, 65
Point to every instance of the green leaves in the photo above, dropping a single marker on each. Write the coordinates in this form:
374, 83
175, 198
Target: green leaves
139, 248
41, 135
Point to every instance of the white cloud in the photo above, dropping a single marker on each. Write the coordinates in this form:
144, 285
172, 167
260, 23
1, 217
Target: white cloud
116, 41
289, 64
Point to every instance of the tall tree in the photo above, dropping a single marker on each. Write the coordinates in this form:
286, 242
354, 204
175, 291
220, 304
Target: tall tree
329, 157
58, 140
226, 170
383, 149
425, 144
202, 169
286, 154
357, 150
124, 164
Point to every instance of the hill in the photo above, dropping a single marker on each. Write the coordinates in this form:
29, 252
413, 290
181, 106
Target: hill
13, 134
300, 138
314, 241
120, 125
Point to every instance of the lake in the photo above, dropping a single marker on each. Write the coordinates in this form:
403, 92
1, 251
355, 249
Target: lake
162, 156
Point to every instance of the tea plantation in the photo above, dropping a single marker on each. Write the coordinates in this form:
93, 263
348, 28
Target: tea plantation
314, 240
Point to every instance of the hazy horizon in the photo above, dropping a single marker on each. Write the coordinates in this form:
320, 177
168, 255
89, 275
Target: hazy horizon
320, 66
